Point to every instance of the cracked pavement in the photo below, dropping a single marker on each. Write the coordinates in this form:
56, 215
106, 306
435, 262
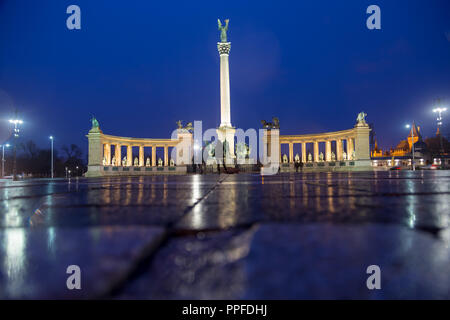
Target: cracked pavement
244, 236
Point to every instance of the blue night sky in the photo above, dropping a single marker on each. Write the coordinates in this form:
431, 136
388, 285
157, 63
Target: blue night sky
139, 66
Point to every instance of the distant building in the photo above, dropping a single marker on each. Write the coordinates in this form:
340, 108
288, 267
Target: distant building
376, 152
401, 155
405, 146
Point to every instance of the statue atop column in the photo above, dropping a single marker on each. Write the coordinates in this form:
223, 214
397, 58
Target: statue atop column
187, 127
223, 30
95, 124
361, 119
275, 124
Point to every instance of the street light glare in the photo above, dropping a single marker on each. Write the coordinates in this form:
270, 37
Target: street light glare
51, 137
15, 121
407, 126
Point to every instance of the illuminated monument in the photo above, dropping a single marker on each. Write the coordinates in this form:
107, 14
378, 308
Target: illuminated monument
225, 132
113, 155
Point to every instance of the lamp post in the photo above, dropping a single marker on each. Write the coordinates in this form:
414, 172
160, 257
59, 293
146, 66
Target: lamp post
3, 158
16, 123
51, 140
412, 144
439, 124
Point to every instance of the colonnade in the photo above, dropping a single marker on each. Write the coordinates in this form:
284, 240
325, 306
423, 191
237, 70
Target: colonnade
102, 155
340, 152
108, 157
327, 154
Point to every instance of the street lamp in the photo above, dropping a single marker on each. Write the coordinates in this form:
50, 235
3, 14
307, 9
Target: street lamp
3, 158
439, 124
412, 142
16, 123
51, 140
439, 112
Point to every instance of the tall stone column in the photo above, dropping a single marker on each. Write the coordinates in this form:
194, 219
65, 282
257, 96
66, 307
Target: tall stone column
316, 151
118, 155
291, 152
225, 132
166, 156
328, 150
141, 156
153, 156
129, 156
303, 152
224, 52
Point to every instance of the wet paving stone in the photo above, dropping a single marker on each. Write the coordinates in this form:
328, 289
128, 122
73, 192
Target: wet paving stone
110, 201
293, 261
329, 262
34, 261
228, 236
202, 266
422, 202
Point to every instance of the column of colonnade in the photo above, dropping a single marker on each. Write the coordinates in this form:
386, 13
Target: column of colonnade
350, 148
166, 155
339, 149
129, 154
107, 153
328, 150
291, 152
303, 152
327, 156
141, 156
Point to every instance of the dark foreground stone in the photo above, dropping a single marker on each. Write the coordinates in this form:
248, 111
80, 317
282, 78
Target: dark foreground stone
317, 261
34, 261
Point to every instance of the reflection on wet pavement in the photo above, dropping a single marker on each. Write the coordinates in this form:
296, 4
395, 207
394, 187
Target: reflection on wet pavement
219, 218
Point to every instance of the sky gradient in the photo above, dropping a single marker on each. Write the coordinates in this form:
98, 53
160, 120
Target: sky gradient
139, 66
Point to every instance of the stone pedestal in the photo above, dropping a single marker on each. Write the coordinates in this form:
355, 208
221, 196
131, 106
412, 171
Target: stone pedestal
211, 162
95, 159
184, 148
362, 142
227, 134
270, 152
